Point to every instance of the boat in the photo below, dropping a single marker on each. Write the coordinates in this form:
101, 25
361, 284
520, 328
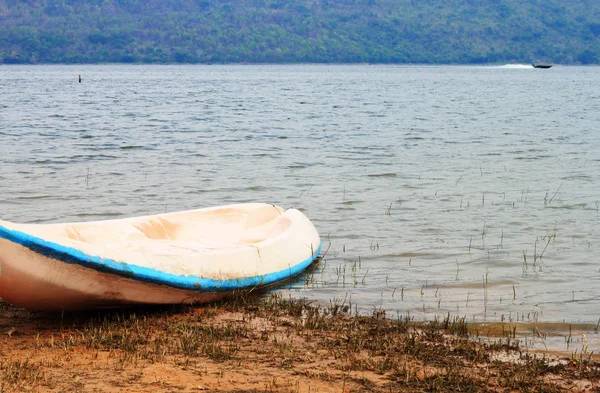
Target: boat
186, 257
540, 65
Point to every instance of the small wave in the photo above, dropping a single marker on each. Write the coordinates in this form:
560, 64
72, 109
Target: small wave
107, 214
256, 188
532, 158
351, 202
28, 197
86, 157
54, 161
569, 207
383, 175
578, 177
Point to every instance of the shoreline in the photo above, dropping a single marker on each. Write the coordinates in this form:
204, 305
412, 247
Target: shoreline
267, 344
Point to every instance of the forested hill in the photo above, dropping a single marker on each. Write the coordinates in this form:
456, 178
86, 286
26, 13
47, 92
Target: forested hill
286, 31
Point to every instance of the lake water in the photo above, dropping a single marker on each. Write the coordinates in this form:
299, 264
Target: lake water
473, 191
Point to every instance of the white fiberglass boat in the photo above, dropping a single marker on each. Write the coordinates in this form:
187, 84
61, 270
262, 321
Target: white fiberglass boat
184, 257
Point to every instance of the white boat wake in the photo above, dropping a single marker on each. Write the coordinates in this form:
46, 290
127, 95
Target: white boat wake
516, 66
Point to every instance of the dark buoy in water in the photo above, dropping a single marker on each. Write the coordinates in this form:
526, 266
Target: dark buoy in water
79, 78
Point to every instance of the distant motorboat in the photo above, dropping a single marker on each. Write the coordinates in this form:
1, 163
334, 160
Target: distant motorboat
539, 65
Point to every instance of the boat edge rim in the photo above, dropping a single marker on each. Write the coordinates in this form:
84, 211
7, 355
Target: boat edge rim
71, 255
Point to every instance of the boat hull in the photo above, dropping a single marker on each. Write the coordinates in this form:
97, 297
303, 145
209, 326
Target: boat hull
42, 283
42, 275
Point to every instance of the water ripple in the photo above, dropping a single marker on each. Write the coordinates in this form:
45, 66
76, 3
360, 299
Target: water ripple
448, 184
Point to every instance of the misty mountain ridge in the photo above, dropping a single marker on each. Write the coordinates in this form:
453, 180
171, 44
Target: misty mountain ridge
300, 31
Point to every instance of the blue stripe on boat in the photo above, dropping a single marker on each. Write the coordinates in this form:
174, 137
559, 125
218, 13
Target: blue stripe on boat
145, 274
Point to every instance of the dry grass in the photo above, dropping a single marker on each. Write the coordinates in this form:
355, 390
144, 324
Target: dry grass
265, 344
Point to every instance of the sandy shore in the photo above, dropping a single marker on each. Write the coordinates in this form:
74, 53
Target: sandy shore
267, 345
